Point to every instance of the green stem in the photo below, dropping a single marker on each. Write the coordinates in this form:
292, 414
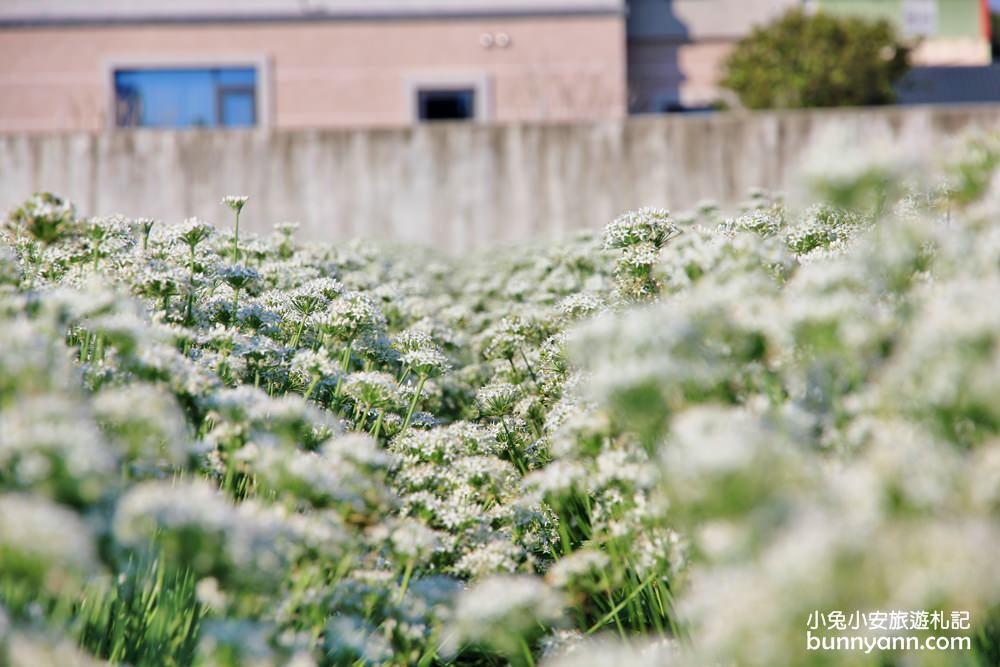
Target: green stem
189, 308
364, 416
529, 659
298, 333
312, 386
236, 239
510, 440
413, 403
345, 362
621, 605
430, 652
515, 457
236, 304
531, 371
378, 425
407, 573
606, 587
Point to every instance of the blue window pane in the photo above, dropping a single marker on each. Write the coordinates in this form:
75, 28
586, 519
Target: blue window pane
238, 108
167, 97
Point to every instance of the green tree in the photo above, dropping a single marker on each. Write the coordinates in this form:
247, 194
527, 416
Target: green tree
816, 60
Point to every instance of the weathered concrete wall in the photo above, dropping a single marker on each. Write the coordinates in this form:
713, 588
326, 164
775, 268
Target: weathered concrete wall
456, 187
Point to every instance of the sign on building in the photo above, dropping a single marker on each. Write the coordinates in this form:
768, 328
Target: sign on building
920, 17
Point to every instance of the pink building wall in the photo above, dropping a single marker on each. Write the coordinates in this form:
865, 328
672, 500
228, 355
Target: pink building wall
358, 73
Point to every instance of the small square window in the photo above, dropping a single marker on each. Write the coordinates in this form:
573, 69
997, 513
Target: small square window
457, 104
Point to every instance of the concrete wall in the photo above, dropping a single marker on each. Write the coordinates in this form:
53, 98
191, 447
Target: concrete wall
454, 186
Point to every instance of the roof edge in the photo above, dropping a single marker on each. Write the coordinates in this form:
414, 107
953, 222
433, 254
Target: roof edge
302, 17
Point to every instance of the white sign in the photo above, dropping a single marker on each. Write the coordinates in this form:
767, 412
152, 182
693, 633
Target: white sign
920, 17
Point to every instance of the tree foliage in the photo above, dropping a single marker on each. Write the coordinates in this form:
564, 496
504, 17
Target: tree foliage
816, 60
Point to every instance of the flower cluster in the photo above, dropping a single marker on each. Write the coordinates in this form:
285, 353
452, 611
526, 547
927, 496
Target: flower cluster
661, 445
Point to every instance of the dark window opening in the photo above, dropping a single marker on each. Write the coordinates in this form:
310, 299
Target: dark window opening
446, 104
190, 97
677, 107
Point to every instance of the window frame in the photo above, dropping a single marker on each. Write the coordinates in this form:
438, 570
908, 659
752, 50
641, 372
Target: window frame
478, 83
260, 63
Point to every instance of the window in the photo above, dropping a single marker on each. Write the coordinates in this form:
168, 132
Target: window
186, 97
671, 103
458, 104
448, 96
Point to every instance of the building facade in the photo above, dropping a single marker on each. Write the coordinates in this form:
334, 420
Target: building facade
676, 48
945, 32
67, 65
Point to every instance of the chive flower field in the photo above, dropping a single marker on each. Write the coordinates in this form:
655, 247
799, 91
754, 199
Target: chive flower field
665, 443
